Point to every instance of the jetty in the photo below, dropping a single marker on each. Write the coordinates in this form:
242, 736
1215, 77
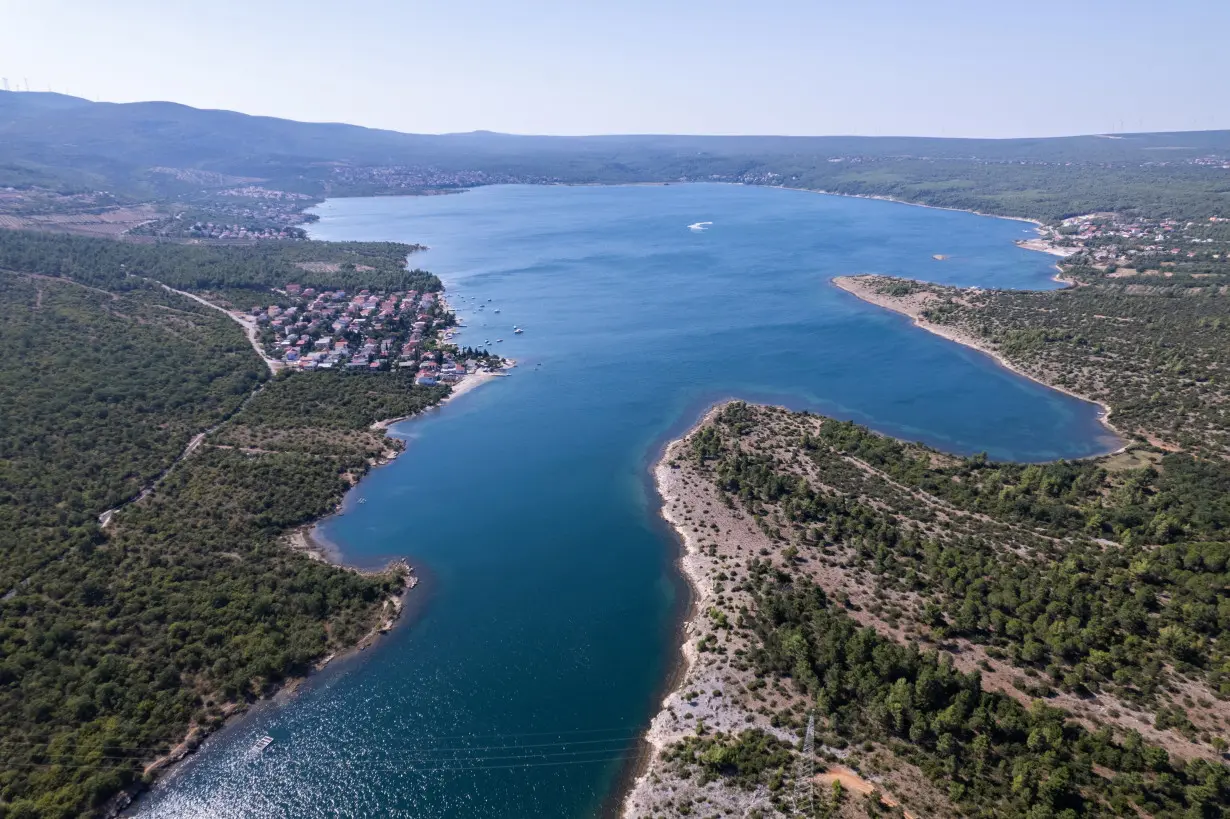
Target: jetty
260, 745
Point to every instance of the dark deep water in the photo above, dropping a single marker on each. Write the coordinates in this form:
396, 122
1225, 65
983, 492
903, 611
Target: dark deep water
536, 647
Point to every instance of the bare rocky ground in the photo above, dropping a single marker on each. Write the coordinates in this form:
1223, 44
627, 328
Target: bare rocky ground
713, 691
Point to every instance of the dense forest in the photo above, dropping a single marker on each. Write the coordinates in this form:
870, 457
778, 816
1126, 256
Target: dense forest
1089, 616
995, 756
334, 399
117, 641
122, 265
99, 392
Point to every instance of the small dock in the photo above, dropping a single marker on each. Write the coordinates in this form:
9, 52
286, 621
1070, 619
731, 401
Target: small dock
260, 745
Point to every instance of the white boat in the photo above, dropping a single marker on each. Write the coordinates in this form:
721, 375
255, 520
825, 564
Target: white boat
518, 330
498, 340
497, 310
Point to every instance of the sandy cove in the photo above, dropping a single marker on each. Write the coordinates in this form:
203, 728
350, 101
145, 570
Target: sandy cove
1045, 245
471, 382
307, 539
913, 305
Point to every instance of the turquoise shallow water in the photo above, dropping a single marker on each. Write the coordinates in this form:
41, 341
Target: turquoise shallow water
537, 645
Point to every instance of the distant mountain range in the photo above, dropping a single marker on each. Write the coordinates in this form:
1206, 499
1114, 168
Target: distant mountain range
59, 141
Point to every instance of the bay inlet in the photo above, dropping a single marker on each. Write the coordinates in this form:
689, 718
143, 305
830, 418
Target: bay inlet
538, 643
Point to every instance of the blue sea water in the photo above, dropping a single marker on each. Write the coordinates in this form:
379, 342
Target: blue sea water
536, 648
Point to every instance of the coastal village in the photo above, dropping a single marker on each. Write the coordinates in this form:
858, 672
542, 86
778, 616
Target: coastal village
370, 330
1132, 246
236, 231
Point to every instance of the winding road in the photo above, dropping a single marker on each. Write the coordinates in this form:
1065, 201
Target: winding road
248, 325
275, 366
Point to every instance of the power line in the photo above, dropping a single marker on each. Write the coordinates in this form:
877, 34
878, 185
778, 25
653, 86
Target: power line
805, 771
400, 761
460, 768
568, 732
620, 733
133, 753
543, 748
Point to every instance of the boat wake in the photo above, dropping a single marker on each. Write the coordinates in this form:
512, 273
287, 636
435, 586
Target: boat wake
699, 226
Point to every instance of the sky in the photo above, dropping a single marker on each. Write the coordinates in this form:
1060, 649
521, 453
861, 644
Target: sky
807, 67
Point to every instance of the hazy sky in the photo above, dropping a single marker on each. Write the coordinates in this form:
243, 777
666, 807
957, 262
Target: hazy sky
943, 68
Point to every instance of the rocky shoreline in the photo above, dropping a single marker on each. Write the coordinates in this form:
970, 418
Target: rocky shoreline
708, 690
158, 768
720, 692
716, 692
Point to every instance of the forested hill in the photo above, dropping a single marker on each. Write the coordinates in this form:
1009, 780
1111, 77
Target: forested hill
165, 133
159, 149
125, 265
117, 641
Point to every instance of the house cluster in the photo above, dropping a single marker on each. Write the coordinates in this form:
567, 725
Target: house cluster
1111, 239
209, 230
446, 370
367, 330
409, 177
257, 192
1213, 161
234, 215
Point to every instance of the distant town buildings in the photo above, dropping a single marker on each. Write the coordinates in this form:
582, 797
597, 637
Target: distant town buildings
209, 230
418, 178
1107, 239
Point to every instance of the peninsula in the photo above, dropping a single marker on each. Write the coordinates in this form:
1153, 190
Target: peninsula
879, 626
